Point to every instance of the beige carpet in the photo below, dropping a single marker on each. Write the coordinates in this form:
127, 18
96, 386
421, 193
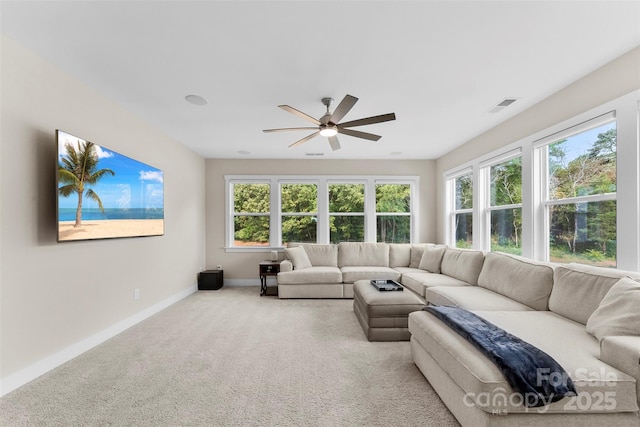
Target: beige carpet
230, 357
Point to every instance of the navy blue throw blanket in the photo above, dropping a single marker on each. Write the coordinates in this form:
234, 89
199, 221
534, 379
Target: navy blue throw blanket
530, 371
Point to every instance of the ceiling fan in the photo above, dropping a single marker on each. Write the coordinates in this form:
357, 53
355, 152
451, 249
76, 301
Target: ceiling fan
328, 125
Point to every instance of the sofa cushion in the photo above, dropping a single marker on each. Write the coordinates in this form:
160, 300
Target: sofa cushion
623, 352
310, 275
618, 312
518, 278
472, 298
298, 257
462, 264
407, 270
420, 281
399, 255
354, 273
417, 250
578, 289
320, 254
363, 254
566, 341
432, 258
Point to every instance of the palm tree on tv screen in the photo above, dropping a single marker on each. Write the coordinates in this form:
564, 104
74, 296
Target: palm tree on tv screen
79, 168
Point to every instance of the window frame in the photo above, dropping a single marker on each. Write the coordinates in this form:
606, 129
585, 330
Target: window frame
364, 206
380, 214
541, 152
282, 182
450, 196
485, 200
322, 182
231, 212
534, 223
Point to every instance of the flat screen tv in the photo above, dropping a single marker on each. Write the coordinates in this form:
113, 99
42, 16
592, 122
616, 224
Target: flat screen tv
103, 194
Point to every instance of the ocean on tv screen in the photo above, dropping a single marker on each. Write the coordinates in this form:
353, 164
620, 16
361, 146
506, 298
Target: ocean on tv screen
95, 214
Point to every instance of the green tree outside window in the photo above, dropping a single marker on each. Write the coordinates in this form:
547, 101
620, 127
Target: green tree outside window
251, 214
583, 165
393, 199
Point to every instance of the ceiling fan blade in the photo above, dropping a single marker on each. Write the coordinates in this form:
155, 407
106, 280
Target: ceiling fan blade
368, 120
334, 143
343, 108
305, 139
300, 114
359, 134
288, 129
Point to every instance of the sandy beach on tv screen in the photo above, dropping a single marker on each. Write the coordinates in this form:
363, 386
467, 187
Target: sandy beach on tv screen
110, 228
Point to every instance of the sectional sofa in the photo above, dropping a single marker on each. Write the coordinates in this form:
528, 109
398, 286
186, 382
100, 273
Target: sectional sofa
329, 271
586, 318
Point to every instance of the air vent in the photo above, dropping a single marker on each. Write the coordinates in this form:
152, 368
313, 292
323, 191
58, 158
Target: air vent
503, 104
313, 154
507, 102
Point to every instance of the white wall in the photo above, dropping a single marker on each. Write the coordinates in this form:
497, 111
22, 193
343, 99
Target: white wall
243, 266
619, 77
60, 298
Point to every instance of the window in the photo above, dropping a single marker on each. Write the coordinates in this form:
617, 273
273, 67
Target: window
299, 207
462, 210
505, 206
393, 213
251, 214
557, 195
268, 212
580, 199
346, 213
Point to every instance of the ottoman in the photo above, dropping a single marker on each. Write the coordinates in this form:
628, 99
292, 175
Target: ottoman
384, 315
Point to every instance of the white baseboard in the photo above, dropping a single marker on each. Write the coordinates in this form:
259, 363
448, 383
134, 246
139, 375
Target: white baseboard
244, 282
43, 366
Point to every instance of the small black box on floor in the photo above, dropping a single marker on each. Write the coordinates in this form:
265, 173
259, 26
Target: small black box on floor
210, 280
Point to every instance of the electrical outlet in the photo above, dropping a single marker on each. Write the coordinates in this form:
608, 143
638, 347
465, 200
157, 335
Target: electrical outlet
219, 267
136, 294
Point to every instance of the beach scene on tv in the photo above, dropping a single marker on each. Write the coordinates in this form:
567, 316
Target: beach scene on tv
103, 194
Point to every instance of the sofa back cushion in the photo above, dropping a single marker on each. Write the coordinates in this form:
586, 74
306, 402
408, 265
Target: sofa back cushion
578, 289
363, 254
320, 255
518, 278
462, 264
399, 255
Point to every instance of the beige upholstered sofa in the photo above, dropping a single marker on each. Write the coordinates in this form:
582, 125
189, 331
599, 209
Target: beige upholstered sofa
586, 318
330, 270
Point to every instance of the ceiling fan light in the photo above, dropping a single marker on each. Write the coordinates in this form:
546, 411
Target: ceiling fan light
329, 131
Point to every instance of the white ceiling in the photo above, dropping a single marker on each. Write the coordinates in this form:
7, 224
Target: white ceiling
439, 65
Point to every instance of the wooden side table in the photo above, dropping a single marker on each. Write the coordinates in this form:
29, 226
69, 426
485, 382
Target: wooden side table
267, 268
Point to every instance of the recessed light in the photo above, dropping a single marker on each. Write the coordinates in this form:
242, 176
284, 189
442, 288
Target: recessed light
395, 153
196, 100
243, 152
